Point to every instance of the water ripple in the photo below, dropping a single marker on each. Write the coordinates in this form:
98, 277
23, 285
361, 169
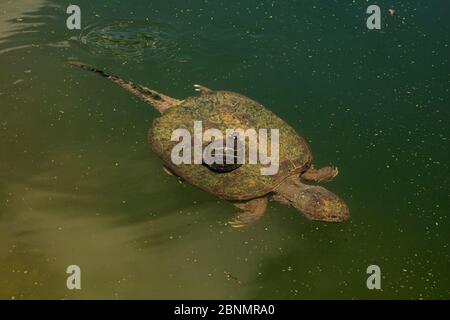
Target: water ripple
137, 40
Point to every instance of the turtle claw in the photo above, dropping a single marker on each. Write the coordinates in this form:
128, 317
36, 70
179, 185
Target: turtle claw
239, 222
235, 224
201, 89
166, 170
335, 172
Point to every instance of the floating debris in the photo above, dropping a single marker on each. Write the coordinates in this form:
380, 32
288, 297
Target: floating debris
231, 277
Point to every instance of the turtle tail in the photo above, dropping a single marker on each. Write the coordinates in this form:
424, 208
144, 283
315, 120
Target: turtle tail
158, 100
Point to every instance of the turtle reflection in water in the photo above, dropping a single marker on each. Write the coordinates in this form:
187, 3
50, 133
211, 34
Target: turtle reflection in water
242, 184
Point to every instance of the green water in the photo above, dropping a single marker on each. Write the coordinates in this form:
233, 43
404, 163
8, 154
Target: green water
78, 184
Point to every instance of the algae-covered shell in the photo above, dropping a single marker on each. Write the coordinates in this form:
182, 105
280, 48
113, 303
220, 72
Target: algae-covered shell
227, 110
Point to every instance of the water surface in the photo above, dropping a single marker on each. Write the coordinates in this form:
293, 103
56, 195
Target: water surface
78, 184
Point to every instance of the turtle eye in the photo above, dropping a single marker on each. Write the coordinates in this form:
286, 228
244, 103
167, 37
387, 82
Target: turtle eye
223, 159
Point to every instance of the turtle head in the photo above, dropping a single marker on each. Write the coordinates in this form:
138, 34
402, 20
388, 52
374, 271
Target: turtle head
316, 203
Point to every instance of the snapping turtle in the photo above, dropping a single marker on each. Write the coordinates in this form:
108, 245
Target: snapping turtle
241, 183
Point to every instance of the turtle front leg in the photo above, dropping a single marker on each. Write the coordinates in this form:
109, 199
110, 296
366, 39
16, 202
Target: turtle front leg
252, 211
202, 89
322, 174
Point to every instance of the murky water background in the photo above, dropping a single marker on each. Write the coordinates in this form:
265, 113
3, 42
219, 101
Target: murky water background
78, 184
